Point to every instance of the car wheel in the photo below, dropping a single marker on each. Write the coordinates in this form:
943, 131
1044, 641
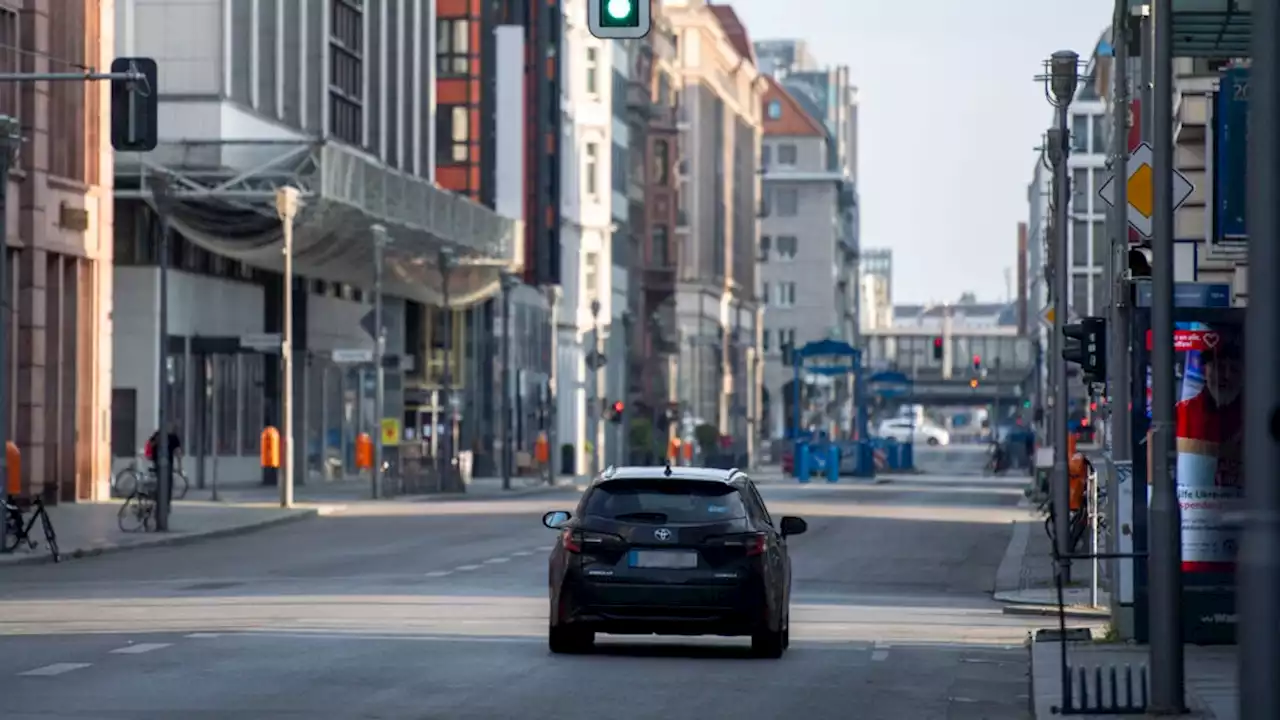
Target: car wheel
932, 441
568, 640
767, 643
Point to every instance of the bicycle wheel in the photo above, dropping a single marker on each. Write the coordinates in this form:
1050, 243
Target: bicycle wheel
125, 482
180, 485
12, 531
50, 536
136, 513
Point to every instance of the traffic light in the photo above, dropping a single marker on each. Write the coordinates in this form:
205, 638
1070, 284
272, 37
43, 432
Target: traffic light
614, 414
973, 383
618, 19
977, 363
135, 105
937, 348
1085, 344
620, 13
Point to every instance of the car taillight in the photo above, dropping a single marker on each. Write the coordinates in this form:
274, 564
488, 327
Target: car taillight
571, 541
752, 543
575, 540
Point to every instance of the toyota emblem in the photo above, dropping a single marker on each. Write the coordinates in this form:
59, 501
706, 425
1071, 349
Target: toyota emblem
662, 534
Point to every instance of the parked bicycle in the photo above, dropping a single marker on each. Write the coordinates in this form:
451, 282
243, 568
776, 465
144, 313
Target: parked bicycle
138, 513
139, 472
20, 519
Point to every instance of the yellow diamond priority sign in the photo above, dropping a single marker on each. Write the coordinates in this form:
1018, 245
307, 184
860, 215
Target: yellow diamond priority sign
1141, 190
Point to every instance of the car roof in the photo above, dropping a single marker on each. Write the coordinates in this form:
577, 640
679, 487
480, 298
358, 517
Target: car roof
667, 472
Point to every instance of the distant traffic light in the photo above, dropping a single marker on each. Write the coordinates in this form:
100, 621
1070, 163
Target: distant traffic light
977, 363
614, 414
937, 348
1085, 344
135, 105
973, 383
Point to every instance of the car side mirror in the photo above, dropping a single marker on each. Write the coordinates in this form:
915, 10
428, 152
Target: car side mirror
793, 526
556, 518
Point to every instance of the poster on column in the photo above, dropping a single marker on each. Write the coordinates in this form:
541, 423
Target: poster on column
1209, 424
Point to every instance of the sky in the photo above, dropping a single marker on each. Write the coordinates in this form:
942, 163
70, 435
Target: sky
950, 118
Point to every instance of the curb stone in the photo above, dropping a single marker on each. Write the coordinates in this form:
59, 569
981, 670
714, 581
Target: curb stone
39, 558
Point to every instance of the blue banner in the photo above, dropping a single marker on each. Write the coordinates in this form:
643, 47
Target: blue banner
1231, 152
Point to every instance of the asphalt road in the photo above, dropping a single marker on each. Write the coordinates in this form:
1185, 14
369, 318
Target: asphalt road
438, 612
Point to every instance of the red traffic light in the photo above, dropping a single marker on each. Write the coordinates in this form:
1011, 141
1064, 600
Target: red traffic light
937, 342
977, 361
618, 406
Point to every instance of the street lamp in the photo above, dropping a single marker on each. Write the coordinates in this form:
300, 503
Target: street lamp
380, 242
1055, 147
1064, 76
162, 196
445, 261
10, 142
509, 282
597, 356
287, 202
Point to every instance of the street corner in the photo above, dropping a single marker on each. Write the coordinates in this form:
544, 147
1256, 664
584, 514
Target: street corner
91, 529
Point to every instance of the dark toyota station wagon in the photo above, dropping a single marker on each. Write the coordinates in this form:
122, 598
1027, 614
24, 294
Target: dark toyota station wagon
671, 551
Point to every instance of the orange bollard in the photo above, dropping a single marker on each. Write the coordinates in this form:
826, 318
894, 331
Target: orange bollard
364, 451
270, 452
13, 462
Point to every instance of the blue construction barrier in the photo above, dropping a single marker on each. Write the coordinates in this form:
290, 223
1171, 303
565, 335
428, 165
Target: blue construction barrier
899, 456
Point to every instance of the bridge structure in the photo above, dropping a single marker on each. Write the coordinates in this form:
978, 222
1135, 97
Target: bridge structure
947, 366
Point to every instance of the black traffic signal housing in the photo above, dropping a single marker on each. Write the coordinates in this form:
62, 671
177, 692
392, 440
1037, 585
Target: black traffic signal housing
977, 363
135, 105
1085, 344
614, 412
937, 348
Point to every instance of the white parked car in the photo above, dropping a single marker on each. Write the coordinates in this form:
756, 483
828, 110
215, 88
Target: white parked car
902, 430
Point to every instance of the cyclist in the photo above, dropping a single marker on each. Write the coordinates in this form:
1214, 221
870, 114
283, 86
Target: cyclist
999, 461
175, 454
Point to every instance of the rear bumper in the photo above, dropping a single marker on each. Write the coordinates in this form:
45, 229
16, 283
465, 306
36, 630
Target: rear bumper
665, 609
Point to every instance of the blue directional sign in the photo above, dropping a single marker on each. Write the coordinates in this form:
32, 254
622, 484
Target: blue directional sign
1231, 155
889, 384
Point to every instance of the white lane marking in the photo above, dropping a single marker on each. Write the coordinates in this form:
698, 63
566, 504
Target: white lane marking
202, 636
495, 561
139, 648
54, 669
522, 553
545, 548
494, 639
438, 573
467, 568
880, 651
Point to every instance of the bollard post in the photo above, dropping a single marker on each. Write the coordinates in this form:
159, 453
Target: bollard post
13, 469
269, 452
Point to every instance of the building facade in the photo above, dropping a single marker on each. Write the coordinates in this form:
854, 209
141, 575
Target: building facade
876, 310
338, 99
57, 292
719, 198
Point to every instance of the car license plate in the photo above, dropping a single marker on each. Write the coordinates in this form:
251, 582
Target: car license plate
663, 559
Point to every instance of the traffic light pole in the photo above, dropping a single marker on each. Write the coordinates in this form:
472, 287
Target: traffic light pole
1259, 568
1119, 388
509, 282
1061, 286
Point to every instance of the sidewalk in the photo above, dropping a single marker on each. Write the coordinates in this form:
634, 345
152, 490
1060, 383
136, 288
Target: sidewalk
358, 488
1024, 580
87, 529
1212, 689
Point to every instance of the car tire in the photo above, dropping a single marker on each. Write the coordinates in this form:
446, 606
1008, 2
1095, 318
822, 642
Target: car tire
770, 644
568, 640
933, 441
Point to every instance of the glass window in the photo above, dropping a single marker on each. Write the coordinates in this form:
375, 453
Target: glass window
774, 111
1096, 204
1101, 243
765, 242
592, 170
253, 370
1099, 137
1079, 191
226, 389
1079, 133
766, 156
1099, 295
1079, 295
787, 154
1080, 243
593, 71
788, 202
787, 246
665, 501
661, 161
764, 340
764, 292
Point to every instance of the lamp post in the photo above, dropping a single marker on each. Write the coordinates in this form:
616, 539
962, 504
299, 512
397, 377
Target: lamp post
445, 262
509, 283
380, 242
597, 367
287, 209
10, 142
1064, 77
624, 355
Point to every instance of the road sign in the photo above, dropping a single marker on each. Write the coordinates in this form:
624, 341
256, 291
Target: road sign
262, 342
1142, 189
596, 360
1047, 316
367, 324
390, 432
353, 356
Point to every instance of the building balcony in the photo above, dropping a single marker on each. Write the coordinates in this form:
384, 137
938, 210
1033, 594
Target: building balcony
658, 278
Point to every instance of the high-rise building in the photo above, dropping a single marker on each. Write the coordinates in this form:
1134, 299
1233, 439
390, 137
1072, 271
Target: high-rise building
355, 104
57, 294
876, 310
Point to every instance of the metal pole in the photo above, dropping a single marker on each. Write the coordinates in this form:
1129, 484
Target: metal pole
553, 389
163, 464
380, 241
287, 208
1118, 384
1167, 671
213, 393
504, 400
446, 383
9, 143
1259, 567
1093, 539
1061, 287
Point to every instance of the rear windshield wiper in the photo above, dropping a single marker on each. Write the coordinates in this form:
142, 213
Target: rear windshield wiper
643, 516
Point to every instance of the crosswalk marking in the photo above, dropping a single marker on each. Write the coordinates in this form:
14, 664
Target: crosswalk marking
54, 669
139, 648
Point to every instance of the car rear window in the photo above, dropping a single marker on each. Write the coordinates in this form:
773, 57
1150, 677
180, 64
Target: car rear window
665, 501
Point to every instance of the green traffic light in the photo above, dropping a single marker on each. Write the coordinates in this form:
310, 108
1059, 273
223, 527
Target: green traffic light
620, 13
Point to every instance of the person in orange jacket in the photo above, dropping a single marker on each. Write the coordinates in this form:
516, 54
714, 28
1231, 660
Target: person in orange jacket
1078, 475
